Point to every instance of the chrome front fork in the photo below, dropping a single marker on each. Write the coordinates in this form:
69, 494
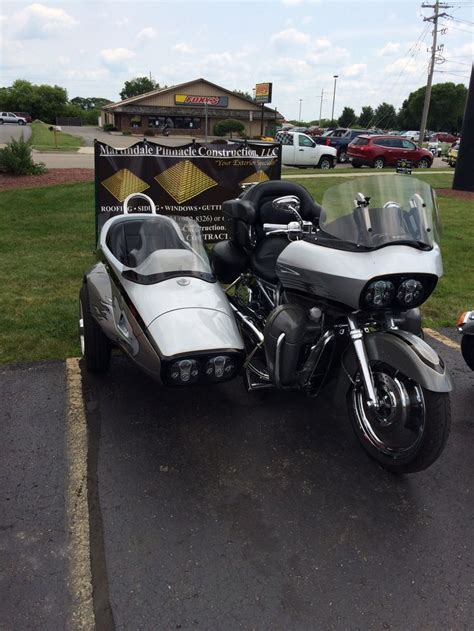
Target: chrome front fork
357, 336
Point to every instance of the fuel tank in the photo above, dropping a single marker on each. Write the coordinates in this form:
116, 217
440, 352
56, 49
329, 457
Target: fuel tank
340, 275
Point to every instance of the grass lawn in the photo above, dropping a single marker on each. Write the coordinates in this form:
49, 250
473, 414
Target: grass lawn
47, 243
44, 140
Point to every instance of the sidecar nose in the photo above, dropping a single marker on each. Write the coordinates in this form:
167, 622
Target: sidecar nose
195, 330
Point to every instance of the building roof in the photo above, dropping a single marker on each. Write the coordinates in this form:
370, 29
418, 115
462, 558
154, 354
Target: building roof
181, 86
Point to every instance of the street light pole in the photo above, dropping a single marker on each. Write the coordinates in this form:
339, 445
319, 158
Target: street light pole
334, 98
299, 116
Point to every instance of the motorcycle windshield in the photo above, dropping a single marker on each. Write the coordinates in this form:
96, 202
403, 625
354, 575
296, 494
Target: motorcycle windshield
380, 210
168, 247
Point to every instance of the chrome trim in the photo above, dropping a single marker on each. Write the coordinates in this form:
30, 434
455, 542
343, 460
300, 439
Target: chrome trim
265, 293
315, 355
281, 339
357, 336
248, 322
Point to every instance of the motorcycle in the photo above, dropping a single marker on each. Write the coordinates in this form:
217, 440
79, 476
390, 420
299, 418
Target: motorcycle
310, 298
328, 296
465, 325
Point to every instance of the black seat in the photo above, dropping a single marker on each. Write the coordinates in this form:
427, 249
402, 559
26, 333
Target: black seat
263, 258
122, 238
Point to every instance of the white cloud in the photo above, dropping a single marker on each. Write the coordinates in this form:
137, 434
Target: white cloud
37, 21
147, 33
92, 74
390, 48
184, 49
114, 58
121, 22
290, 37
405, 65
356, 70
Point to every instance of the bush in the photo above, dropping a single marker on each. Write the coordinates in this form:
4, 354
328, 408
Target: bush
16, 159
109, 127
228, 126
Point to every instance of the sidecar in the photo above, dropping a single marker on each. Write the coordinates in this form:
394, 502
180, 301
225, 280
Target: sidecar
154, 295
465, 325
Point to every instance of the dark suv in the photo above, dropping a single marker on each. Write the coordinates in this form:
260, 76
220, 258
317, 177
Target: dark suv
340, 139
380, 151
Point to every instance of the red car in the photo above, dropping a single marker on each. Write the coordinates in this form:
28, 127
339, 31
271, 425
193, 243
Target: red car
443, 136
381, 151
24, 115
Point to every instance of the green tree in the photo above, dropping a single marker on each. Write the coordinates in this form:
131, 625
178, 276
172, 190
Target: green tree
245, 95
347, 118
89, 103
366, 117
137, 86
41, 101
228, 126
385, 116
446, 108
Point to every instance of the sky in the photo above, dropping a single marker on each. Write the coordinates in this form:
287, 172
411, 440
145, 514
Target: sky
378, 49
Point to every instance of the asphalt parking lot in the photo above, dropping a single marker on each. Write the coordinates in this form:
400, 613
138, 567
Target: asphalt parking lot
213, 508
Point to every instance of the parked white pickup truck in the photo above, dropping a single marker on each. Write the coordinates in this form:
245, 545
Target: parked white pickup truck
300, 150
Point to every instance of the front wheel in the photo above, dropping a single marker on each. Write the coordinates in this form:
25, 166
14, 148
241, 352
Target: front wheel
95, 346
325, 163
424, 164
379, 163
343, 157
410, 429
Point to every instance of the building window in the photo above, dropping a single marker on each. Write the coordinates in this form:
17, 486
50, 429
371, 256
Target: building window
136, 122
154, 122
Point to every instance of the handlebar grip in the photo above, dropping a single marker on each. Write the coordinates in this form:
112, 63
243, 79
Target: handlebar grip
274, 226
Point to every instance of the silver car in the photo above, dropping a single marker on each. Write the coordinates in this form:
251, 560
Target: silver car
10, 117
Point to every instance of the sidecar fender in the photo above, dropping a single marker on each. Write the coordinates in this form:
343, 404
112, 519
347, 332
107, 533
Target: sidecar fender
405, 352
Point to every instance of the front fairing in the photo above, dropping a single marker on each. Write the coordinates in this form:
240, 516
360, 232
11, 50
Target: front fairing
373, 212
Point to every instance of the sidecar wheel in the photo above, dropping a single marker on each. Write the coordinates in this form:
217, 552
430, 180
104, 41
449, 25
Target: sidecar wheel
95, 346
409, 432
467, 350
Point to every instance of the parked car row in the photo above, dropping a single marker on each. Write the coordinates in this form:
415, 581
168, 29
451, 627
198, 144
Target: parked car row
10, 117
381, 151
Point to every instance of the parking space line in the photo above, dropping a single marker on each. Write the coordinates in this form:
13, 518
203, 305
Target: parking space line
77, 508
443, 339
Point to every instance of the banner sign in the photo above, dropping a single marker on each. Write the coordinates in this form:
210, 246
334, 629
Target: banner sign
263, 92
190, 99
191, 180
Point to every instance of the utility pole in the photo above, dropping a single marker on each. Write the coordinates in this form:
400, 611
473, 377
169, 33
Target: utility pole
433, 18
335, 77
321, 106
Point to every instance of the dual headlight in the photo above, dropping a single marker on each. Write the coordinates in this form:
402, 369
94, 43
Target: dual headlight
215, 368
398, 291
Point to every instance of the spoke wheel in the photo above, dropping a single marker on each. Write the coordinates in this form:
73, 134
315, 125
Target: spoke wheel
409, 430
379, 163
343, 156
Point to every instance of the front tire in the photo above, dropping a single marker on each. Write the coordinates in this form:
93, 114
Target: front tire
95, 345
424, 164
342, 156
325, 163
409, 431
379, 163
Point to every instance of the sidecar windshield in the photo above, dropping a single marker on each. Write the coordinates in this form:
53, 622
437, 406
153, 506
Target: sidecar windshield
380, 210
167, 247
